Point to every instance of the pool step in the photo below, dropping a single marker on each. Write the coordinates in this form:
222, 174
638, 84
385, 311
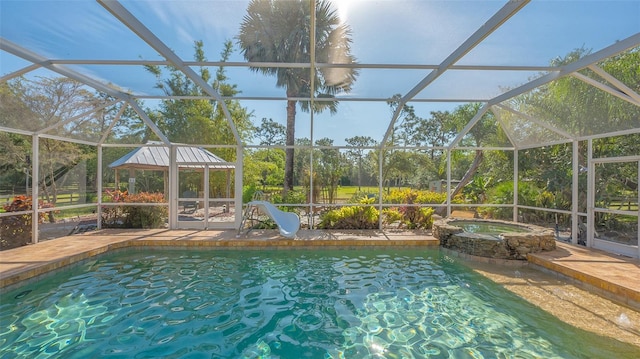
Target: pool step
614, 277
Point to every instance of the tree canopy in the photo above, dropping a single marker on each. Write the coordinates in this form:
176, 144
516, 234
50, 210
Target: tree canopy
280, 31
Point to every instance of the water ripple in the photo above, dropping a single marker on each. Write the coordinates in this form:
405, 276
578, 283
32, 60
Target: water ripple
243, 304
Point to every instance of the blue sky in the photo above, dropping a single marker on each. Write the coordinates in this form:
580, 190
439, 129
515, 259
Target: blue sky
383, 32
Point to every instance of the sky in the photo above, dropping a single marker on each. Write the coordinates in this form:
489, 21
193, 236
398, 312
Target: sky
405, 32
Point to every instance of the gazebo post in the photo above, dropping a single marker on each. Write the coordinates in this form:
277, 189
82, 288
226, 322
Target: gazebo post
228, 194
117, 180
165, 184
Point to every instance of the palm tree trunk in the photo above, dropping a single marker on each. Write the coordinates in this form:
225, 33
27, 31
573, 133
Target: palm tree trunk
359, 173
290, 141
441, 211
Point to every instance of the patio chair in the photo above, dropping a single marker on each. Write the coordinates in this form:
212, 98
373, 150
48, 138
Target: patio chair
193, 205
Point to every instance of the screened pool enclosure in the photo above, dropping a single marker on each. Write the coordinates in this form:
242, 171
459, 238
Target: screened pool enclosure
354, 114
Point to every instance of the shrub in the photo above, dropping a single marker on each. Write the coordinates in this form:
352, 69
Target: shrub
112, 217
352, 217
145, 216
135, 216
15, 231
414, 196
292, 197
416, 217
247, 193
412, 216
360, 195
391, 215
502, 193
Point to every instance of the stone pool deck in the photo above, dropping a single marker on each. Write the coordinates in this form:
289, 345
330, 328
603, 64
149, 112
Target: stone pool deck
615, 277
612, 276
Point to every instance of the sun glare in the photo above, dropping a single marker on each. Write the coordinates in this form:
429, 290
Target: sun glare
343, 7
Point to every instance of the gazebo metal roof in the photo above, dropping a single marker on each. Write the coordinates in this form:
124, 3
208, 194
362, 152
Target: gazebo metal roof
155, 156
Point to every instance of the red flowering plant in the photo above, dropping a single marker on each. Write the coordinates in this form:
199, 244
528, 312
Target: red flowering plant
115, 195
15, 231
112, 216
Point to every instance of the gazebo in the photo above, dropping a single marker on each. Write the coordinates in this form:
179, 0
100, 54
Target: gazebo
154, 156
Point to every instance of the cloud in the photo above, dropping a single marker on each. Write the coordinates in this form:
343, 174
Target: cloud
193, 20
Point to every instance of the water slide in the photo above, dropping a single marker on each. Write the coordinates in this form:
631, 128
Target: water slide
288, 222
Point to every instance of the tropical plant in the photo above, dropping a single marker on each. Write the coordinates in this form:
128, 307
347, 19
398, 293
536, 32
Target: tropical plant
15, 231
280, 31
413, 215
351, 217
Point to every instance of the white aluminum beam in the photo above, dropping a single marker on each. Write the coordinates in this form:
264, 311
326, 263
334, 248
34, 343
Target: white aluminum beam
316, 99
591, 195
30, 56
469, 125
499, 18
615, 82
73, 118
586, 61
611, 134
113, 123
17, 131
502, 123
533, 68
143, 115
35, 185
25, 54
540, 145
516, 183
20, 72
620, 159
537, 122
575, 186
599, 85
122, 14
67, 139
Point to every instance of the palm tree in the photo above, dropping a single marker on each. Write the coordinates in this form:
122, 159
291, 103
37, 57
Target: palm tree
280, 31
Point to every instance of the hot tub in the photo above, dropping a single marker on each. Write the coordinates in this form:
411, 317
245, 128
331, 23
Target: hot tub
493, 238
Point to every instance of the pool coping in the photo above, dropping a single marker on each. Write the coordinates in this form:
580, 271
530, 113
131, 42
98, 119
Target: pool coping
22, 264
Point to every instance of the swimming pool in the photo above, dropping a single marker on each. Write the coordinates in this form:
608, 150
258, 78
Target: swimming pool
282, 304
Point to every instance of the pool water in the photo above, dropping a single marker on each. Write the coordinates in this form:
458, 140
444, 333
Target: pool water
282, 304
490, 228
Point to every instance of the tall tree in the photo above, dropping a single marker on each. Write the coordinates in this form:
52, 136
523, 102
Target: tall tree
329, 165
46, 102
280, 31
271, 133
357, 152
481, 134
199, 121
269, 161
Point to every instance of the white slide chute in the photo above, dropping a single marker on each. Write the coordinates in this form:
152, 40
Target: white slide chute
288, 222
